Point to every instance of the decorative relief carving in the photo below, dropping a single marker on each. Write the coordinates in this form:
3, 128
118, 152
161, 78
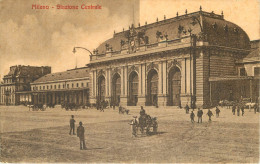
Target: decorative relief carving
101, 72
174, 63
133, 68
152, 66
115, 70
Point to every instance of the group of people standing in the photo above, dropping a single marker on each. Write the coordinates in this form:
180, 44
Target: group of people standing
80, 132
200, 114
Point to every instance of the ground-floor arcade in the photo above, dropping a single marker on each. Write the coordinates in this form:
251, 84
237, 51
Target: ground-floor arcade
151, 84
76, 96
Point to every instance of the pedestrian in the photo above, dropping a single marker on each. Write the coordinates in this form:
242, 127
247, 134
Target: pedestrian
187, 108
72, 125
238, 110
142, 111
81, 135
217, 111
255, 108
199, 114
209, 114
114, 106
192, 115
120, 109
134, 126
234, 109
242, 110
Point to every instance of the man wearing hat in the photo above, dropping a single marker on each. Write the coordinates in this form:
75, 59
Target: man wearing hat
142, 111
72, 125
199, 114
80, 134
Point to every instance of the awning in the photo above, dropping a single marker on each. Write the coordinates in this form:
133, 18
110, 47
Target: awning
234, 78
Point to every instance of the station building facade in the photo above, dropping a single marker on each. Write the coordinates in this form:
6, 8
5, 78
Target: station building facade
189, 59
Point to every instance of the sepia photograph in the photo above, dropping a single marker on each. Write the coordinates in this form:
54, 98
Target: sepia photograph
129, 81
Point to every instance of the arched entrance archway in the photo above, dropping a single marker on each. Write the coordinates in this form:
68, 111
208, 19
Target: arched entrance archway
133, 89
152, 88
101, 89
116, 89
174, 87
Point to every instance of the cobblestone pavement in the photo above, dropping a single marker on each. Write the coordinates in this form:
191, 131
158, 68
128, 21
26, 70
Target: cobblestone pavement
43, 136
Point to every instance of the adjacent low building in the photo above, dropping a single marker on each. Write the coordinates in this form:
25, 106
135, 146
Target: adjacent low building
70, 86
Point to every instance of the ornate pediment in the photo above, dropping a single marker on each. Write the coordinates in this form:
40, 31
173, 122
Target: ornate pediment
101, 72
115, 70
133, 68
174, 63
152, 66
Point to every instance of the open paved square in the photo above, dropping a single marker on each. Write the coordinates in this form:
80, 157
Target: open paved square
43, 136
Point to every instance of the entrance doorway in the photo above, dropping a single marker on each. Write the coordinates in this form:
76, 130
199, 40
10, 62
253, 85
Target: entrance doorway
101, 89
174, 87
116, 89
133, 89
152, 88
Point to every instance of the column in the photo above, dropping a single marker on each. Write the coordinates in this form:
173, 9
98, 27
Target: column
162, 82
124, 78
93, 76
185, 82
108, 87
141, 88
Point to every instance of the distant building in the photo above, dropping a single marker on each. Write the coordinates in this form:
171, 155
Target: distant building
17, 80
70, 86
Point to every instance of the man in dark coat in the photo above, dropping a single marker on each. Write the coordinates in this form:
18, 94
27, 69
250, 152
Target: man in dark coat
209, 114
238, 110
72, 125
242, 110
142, 111
192, 115
199, 114
234, 109
217, 111
187, 108
80, 134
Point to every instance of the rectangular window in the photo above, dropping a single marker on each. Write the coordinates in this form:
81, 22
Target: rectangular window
63, 85
40, 87
43, 87
242, 72
54, 86
257, 71
77, 85
47, 87
68, 85
51, 86
72, 85
82, 84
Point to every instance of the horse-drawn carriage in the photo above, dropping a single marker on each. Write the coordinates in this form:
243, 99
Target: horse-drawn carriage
123, 110
145, 123
37, 107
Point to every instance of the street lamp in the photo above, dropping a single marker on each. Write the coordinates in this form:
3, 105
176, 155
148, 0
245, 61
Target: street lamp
74, 51
193, 37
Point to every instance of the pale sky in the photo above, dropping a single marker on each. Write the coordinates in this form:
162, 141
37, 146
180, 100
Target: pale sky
40, 37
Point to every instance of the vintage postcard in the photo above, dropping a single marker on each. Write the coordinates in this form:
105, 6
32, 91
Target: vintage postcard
129, 81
